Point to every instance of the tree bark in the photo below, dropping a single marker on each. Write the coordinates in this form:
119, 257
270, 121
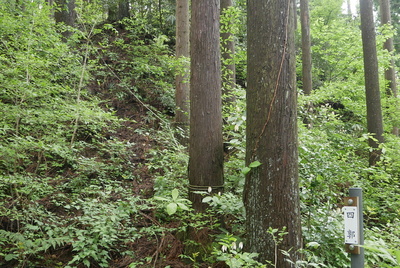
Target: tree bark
390, 73
271, 193
306, 47
228, 51
66, 14
205, 141
182, 80
118, 10
295, 13
349, 9
371, 76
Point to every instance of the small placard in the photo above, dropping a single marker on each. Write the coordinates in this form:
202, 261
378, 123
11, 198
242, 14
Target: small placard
351, 227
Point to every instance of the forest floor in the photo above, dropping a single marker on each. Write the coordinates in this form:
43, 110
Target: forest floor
134, 115
161, 248
164, 251
158, 251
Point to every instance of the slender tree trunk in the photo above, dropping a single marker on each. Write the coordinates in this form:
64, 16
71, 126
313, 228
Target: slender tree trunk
205, 141
182, 80
271, 193
390, 73
349, 8
228, 52
306, 47
51, 4
371, 76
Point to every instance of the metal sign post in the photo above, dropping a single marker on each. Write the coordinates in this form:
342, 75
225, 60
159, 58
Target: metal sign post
353, 227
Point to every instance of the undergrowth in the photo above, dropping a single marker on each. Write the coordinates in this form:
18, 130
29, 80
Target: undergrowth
93, 176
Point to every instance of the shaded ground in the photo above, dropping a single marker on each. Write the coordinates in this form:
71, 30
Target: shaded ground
159, 251
150, 248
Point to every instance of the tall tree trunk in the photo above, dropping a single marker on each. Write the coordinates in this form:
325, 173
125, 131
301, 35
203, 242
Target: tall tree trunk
349, 8
66, 14
51, 4
182, 80
306, 47
160, 14
371, 76
118, 10
205, 141
390, 73
271, 193
228, 51
295, 14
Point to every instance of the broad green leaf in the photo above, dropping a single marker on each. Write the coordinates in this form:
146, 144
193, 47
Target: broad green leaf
183, 206
161, 198
10, 257
313, 244
207, 199
175, 194
246, 170
255, 164
171, 208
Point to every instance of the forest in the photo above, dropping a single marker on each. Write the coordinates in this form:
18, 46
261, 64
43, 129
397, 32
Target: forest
162, 133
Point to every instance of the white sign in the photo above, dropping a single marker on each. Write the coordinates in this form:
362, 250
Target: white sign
351, 227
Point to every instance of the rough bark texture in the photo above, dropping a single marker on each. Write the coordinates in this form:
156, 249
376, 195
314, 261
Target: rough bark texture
66, 14
205, 142
271, 193
371, 76
228, 51
390, 73
306, 47
295, 13
182, 80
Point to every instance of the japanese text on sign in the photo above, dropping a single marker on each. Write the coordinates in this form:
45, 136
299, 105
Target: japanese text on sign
351, 227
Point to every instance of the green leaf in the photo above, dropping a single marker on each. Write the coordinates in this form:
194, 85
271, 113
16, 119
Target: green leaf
183, 206
255, 164
159, 198
313, 245
171, 208
10, 257
207, 199
174, 194
396, 253
86, 262
246, 170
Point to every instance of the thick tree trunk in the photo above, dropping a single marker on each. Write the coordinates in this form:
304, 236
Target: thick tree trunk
306, 47
118, 10
295, 13
182, 80
390, 73
205, 142
371, 76
228, 51
65, 13
271, 193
